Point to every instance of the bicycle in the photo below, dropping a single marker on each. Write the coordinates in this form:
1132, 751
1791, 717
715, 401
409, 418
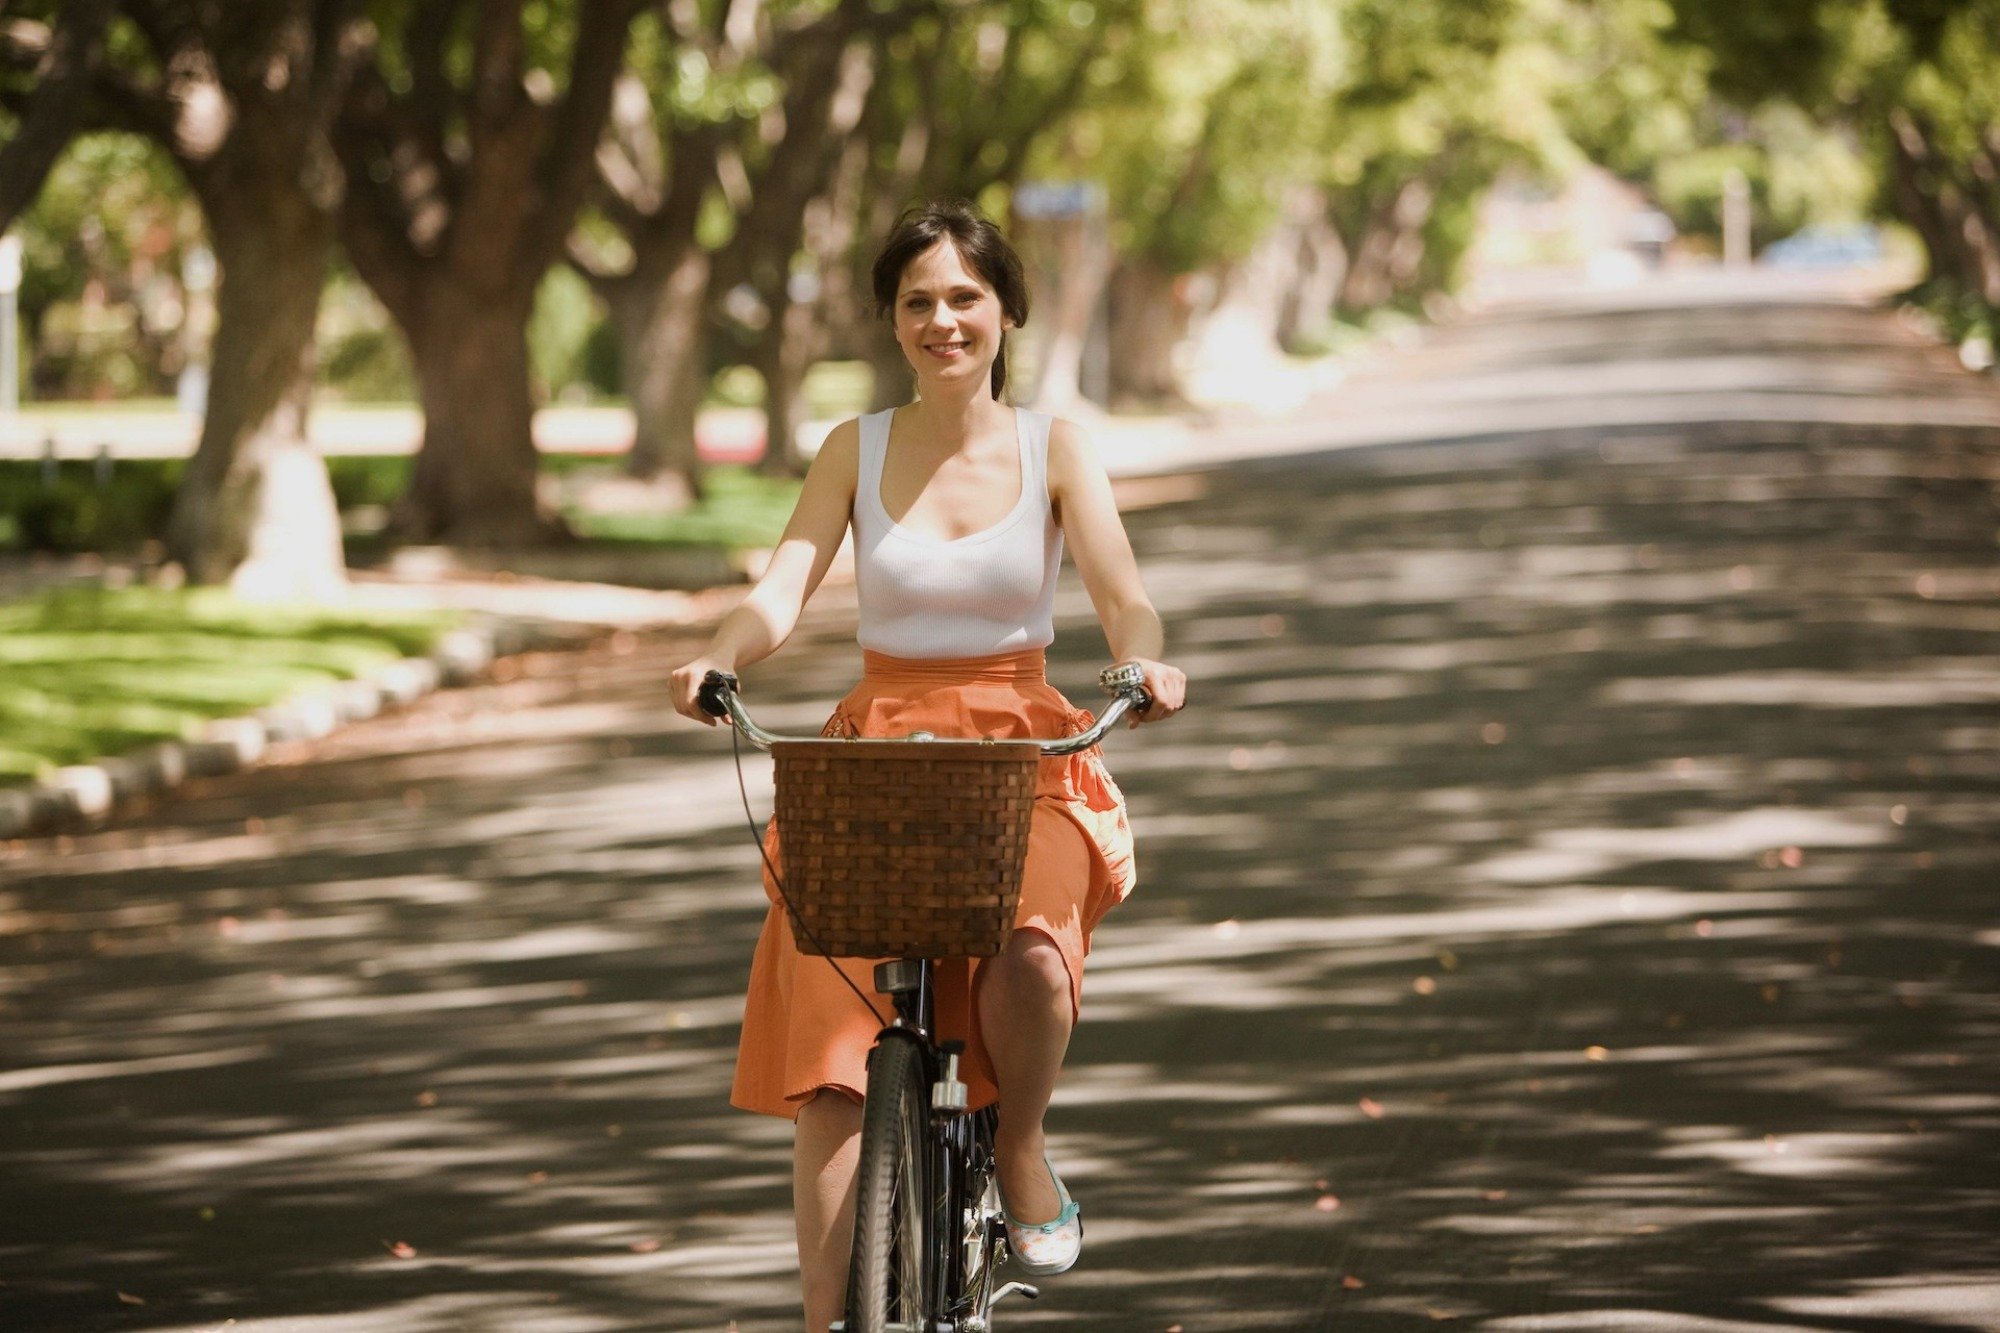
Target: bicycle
929, 1234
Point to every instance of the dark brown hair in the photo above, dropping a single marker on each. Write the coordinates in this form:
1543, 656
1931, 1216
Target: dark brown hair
979, 244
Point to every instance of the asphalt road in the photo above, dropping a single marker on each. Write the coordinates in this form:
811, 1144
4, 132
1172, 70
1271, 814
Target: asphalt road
1567, 904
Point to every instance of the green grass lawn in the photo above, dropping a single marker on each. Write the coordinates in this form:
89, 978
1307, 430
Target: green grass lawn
87, 672
742, 508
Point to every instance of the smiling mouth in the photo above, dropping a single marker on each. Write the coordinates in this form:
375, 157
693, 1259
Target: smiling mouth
942, 349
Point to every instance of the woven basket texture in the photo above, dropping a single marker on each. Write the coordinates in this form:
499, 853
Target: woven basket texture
904, 849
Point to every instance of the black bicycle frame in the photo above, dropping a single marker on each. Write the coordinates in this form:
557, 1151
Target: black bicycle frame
948, 1143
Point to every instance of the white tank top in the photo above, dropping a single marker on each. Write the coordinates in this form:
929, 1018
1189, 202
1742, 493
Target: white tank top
988, 592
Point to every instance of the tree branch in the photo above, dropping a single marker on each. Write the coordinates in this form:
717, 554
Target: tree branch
74, 52
431, 93
568, 155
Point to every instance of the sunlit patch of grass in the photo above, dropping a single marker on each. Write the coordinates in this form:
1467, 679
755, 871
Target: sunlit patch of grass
86, 672
743, 508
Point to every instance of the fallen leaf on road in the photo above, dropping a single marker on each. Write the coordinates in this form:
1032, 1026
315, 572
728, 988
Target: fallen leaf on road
129, 1299
1352, 1283
1327, 1203
402, 1249
1371, 1108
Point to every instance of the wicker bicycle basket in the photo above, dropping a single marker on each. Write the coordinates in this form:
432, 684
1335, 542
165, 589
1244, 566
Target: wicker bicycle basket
904, 849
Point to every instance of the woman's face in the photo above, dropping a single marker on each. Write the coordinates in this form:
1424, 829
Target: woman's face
948, 320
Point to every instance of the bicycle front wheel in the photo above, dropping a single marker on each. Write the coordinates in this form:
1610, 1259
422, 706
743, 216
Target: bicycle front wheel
891, 1276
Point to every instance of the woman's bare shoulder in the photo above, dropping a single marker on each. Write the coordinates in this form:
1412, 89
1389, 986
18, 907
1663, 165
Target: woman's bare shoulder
841, 449
1070, 447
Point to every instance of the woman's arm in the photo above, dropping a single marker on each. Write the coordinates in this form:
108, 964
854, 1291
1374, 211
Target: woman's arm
766, 617
1081, 494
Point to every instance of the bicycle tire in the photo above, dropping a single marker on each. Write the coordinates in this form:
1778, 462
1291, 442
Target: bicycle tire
892, 1269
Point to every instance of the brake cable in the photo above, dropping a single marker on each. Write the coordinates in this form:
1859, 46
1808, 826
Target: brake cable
736, 746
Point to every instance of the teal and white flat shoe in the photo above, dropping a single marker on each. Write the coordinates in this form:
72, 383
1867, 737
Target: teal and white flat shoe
1047, 1248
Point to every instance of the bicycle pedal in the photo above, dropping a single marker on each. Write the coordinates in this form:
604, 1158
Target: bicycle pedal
1016, 1289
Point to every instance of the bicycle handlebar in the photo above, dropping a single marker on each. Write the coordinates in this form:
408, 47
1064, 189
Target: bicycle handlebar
720, 693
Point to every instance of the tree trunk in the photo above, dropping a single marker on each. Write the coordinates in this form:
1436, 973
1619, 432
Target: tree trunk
1322, 265
1982, 248
662, 347
1235, 342
1389, 249
783, 362
271, 251
475, 478
462, 185
1083, 264
1148, 320
1911, 190
1925, 203
62, 82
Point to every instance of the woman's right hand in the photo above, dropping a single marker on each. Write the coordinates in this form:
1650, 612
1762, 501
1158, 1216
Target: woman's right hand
685, 685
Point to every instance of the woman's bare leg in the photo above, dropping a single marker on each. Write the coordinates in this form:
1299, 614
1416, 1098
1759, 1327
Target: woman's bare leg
826, 1150
1025, 1020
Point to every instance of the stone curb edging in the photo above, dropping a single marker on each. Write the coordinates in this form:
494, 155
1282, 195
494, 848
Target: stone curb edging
94, 790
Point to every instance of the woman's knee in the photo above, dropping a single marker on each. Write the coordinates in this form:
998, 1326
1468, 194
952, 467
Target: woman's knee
830, 1106
1031, 961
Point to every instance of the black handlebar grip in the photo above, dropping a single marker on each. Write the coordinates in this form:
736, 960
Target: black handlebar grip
709, 697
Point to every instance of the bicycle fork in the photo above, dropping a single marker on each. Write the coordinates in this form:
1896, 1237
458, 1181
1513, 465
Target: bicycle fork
977, 1221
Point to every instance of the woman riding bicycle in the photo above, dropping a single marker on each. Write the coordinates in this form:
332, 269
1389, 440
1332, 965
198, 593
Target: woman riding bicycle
959, 507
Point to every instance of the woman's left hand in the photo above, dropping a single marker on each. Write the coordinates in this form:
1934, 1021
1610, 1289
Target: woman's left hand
1166, 684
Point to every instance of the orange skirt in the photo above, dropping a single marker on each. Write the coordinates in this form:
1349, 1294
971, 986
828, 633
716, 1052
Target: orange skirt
803, 1029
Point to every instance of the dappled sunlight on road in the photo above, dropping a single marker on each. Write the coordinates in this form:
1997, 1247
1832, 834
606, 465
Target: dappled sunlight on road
1554, 923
